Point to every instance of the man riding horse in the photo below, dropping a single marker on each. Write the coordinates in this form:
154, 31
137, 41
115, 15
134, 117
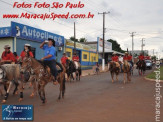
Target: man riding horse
7, 56
115, 59
75, 59
128, 58
49, 58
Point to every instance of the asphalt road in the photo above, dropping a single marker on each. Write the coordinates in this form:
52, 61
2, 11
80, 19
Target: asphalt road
96, 99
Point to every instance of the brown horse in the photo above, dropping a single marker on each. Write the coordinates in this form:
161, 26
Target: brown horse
114, 70
126, 71
43, 76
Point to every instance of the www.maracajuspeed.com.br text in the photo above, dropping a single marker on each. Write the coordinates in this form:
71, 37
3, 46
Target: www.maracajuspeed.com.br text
44, 16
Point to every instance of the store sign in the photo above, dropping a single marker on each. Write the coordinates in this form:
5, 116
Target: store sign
5, 32
34, 34
79, 45
108, 45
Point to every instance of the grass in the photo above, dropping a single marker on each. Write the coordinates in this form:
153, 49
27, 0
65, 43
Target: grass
152, 75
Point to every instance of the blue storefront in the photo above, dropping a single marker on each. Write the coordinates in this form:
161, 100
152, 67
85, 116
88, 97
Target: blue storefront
19, 34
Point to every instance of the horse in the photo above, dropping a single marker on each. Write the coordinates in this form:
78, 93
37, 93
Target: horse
141, 67
70, 69
114, 70
43, 76
126, 67
78, 70
10, 75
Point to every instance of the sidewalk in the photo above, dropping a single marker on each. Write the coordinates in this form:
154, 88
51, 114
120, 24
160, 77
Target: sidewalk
92, 71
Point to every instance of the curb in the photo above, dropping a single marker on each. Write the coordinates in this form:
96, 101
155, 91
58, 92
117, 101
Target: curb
151, 79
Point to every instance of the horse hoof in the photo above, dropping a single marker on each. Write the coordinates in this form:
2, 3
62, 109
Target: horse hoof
3, 101
32, 95
20, 99
16, 93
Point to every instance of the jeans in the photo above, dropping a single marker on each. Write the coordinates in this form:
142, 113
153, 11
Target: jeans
52, 65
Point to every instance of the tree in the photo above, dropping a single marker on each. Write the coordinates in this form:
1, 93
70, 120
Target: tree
82, 40
72, 38
116, 46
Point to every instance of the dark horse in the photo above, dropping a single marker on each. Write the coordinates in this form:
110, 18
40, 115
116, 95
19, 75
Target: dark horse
114, 70
141, 67
70, 69
43, 76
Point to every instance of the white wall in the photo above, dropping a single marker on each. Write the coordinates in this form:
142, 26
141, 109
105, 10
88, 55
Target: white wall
5, 41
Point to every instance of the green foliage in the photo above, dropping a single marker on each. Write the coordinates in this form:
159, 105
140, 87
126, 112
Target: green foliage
73, 39
82, 40
116, 46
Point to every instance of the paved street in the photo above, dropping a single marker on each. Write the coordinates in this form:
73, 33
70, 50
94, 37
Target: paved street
96, 99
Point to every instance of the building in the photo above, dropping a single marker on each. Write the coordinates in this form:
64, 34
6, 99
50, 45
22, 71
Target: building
19, 34
98, 45
87, 55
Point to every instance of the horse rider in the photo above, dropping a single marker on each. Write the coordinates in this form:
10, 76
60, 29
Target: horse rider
63, 59
7, 56
120, 61
16, 57
49, 58
141, 58
115, 59
128, 58
75, 59
26, 52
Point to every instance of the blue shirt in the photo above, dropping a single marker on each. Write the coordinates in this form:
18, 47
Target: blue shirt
49, 51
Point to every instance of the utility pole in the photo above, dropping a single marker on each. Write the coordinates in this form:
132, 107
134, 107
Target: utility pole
132, 35
74, 38
142, 45
153, 52
103, 56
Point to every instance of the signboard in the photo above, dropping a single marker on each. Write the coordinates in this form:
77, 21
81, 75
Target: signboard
17, 112
108, 45
80, 46
5, 32
31, 33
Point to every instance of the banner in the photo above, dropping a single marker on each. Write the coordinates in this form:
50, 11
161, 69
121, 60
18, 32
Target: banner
108, 45
5, 32
34, 34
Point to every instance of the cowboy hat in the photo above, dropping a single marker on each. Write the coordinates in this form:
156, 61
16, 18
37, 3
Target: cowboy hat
7, 46
28, 45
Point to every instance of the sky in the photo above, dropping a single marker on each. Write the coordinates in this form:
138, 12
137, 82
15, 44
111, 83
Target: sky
145, 17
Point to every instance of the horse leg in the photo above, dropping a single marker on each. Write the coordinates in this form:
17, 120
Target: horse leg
7, 93
63, 88
117, 77
16, 88
21, 91
32, 81
112, 75
41, 92
124, 78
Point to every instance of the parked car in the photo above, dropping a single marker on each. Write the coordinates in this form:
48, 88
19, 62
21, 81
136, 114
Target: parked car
149, 64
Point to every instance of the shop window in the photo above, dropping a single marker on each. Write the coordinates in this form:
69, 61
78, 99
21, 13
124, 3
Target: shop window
94, 58
84, 56
68, 54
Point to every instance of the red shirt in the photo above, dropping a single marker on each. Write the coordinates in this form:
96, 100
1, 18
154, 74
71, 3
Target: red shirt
8, 56
75, 58
115, 58
147, 57
23, 54
126, 58
63, 60
130, 58
141, 57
